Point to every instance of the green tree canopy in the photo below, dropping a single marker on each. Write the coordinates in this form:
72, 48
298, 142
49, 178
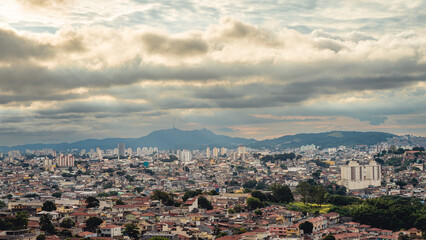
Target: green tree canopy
48, 206
165, 197
191, 194
158, 238
57, 194
46, 224
204, 203
92, 202
132, 231
329, 237
254, 203
306, 227
93, 223
304, 189
282, 193
67, 223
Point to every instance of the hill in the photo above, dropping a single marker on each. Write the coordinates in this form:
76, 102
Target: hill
325, 139
163, 139
200, 139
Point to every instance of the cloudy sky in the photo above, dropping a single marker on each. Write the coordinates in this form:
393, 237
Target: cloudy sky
75, 69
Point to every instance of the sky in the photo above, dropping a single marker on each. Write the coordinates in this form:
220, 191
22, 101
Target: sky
76, 69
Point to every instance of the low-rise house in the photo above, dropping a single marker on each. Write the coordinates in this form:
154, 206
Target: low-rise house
111, 230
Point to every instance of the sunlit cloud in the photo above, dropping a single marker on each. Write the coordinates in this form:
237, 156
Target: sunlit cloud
267, 70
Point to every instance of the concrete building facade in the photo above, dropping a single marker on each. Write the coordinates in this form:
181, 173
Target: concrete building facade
356, 176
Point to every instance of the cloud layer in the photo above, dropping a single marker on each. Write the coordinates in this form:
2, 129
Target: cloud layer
237, 75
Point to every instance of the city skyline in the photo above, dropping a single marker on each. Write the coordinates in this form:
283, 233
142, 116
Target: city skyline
72, 69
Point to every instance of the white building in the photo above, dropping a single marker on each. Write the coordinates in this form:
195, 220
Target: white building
223, 151
65, 161
356, 176
208, 152
185, 155
111, 230
241, 150
215, 152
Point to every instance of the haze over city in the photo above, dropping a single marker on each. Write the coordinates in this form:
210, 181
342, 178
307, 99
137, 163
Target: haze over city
74, 69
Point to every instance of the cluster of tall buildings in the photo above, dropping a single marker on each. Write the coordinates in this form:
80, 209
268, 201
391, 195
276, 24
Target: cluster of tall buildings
215, 152
184, 155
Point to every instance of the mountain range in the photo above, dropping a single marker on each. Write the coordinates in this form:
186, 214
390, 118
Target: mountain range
200, 139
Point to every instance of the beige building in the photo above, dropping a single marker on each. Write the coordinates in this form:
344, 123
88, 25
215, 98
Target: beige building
356, 176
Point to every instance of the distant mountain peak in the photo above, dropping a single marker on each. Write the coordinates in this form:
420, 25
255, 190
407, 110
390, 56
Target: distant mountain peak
175, 138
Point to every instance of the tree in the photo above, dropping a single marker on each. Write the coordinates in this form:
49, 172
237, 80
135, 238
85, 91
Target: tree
92, 202
319, 194
20, 221
414, 181
138, 189
48, 206
306, 227
259, 195
254, 203
46, 224
165, 198
213, 192
250, 184
389, 212
237, 231
67, 223
132, 231
258, 212
119, 202
336, 189
66, 233
316, 174
158, 238
2, 204
282, 193
329, 237
41, 237
93, 223
283, 166
238, 208
304, 189
204, 203
421, 223
191, 194
57, 194
401, 184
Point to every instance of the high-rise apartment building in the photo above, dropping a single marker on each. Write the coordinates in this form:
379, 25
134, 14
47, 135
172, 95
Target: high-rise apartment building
65, 160
215, 152
185, 155
121, 149
356, 176
223, 151
208, 152
241, 150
